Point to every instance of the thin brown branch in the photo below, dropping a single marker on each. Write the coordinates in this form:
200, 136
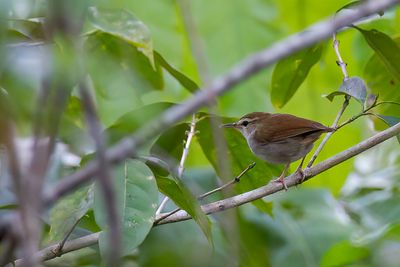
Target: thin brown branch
104, 176
248, 67
246, 197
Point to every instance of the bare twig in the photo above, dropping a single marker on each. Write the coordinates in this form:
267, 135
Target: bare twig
342, 66
104, 176
202, 196
246, 197
185, 153
250, 66
59, 249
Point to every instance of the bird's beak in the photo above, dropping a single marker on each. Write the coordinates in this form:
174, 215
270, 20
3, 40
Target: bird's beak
229, 125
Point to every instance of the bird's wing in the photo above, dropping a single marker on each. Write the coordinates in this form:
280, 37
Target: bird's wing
283, 128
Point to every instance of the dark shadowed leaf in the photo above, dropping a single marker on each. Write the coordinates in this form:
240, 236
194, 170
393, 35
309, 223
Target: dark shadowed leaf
170, 143
353, 87
137, 196
290, 73
386, 49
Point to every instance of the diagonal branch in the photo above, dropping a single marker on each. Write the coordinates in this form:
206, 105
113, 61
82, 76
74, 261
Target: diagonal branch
248, 67
238, 200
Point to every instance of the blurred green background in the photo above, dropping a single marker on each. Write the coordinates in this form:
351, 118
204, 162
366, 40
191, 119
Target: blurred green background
346, 216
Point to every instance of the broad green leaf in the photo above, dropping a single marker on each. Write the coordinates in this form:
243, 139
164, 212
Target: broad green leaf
386, 49
26, 30
344, 254
185, 81
67, 211
133, 120
124, 25
290, 73
183, 198
353, 87
137, 196
240, 156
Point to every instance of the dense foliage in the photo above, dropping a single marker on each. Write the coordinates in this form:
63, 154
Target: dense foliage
139, 58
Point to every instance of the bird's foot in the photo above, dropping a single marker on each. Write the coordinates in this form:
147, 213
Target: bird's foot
281, 180
302, 175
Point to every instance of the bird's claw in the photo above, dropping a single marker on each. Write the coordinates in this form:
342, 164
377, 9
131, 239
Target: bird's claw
282, 181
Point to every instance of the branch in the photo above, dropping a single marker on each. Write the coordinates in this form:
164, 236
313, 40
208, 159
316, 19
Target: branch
342, 66
185, 154
248, 67
104, 176
235, 201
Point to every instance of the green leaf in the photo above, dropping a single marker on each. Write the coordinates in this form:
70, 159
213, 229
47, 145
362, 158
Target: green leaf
349, 255
183, 198
185, 81
133, 120
125, 25
353, 87
127, 58
386, 48
171, 142
383, 83
137, 197
68, 211
290, 73
240, 156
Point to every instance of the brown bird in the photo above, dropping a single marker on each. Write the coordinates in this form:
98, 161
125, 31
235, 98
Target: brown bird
279, 138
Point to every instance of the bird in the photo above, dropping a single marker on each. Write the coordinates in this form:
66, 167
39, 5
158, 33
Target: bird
279, 138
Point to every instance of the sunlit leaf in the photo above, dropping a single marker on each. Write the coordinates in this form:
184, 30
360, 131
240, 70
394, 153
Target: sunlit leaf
386, 48
124, 25
290, 73
349, 255
353, 87
137, 196
67, 211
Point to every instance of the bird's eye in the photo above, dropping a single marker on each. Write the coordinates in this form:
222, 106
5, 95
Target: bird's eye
245, 123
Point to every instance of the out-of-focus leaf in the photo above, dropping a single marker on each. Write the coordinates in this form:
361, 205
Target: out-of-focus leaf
185, 81
386, 48
349, 255
137, 196
133, 120
290, 73
353, 87
68, 211
24, 30
183, 198
125, 25
240, 156
308, 228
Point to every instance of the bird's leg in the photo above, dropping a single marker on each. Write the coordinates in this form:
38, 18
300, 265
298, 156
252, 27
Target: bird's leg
300, 170
281, 178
